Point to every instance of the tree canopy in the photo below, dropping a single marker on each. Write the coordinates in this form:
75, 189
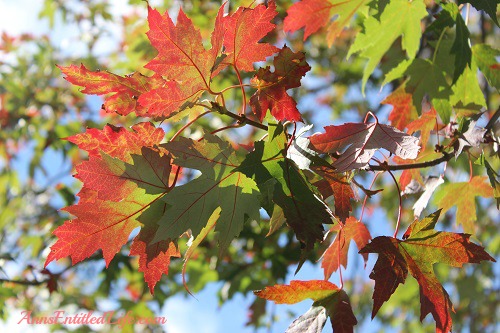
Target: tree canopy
236, 141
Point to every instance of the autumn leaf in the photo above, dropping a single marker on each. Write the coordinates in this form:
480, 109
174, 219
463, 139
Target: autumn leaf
403, 111
329, 301
420, 249
336, 185
399, 18
244, 29
122, 182
351, 230
182, 60
220, 185
424, 124
117, 141
283, 184
124, 91
357, 142
446, 197
314, 14
289, 68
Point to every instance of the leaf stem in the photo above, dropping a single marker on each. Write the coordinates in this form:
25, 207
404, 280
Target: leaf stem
366, 197
190, 123
438, 44
400, 208
243, 107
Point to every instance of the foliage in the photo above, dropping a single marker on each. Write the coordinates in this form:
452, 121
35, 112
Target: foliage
252, 202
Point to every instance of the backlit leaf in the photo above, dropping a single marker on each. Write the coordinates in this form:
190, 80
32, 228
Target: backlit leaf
399, 18
357, 142
245, 28
446, 197
351, 230
403, 111
289, 68
420, 249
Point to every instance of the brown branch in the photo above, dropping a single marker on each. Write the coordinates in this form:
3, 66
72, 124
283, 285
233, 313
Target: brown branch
240, 118
391, 167
25, 282
493, 120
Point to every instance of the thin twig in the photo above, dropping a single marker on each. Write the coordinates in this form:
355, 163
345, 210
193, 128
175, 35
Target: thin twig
392, 167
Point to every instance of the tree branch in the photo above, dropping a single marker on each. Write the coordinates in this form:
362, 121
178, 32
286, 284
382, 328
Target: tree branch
241, 119
386, 167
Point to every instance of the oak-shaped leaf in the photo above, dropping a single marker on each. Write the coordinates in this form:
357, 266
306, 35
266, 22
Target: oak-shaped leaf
289, 68
357, 142
422, 247
282, 183
220, 185
123, 91
399, 18
329, 301
446, 197
351, 230
315, 14
123, 179
182, 61
244, 30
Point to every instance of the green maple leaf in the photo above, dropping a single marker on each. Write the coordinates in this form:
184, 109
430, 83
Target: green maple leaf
467, 98
485, 57
446, 197
283, 184
191, 205
489, 6
427, 78
399, 18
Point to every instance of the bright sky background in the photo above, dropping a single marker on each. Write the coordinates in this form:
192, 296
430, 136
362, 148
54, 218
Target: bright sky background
184, 314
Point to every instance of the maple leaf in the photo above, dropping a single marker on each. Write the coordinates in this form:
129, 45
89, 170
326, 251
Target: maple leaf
425, 124
284, 185
489, 7
124, 91
117, 141
360, 141
421, 248
351, 230
430, 185
485, 57
182, 60
220, 185
338, 186
244, 29
289, 68
467, 98
314, 14
399, 18
446, 197
122, 182
403, 111
428, 78
329, 301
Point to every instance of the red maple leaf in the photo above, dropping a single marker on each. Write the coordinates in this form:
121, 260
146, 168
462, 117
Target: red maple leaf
123, 180
245, 28
289, 68
420, 249
403, 111
352, 230
182, 61
360, 141
425, 124
336, 185
310, 14
124, 90
117, 141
